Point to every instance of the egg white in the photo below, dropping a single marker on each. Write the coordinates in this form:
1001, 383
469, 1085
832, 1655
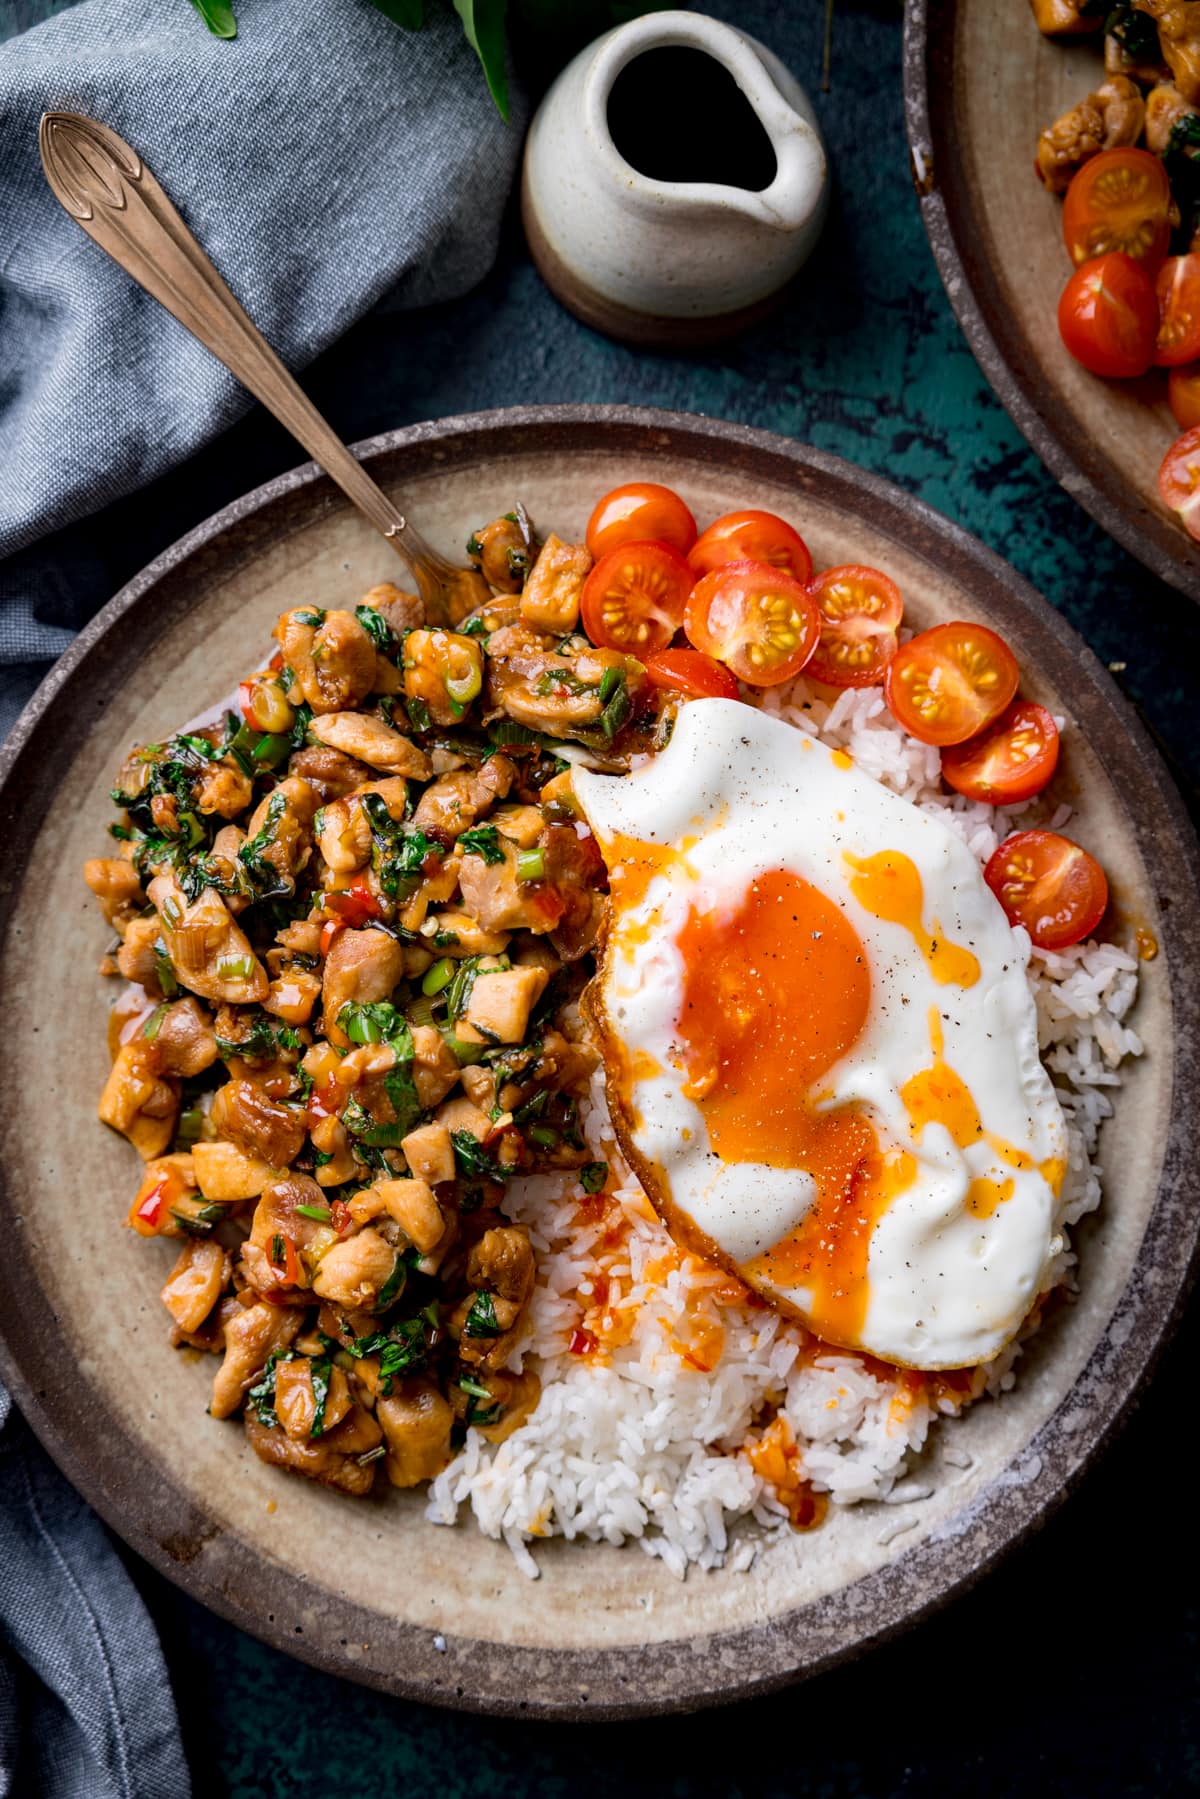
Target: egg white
747, 794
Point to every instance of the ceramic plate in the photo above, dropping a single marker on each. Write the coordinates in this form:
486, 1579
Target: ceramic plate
444, 1615
980, 82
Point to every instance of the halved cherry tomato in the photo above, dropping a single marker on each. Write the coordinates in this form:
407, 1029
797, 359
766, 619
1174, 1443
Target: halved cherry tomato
761, 623
751, 537
1183, 395
1048, 884
860, 616
1108, 316
1010, 761
633, 600
949, 683
1177, 288
690, 671
354, 904
640, 512
1119, 200
1179, 480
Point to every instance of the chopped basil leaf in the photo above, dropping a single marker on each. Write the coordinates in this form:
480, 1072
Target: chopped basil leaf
376, 627
481, 1319
319, 1373
592, 1176
482, 840
472, 1159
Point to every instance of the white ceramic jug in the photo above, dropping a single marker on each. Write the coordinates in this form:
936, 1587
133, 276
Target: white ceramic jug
669, 261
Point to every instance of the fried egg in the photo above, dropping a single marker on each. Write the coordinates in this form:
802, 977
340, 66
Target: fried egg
820, 1043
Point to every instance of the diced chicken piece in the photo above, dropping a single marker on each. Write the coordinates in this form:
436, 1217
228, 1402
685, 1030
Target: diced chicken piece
416, 1422
245, 1114
328, 772
115, 884
1066, 18
278, 826
435, 1070
504, 550
293, 994
479, 1085
344, 836
500, 1004
522, 825
209, 951
550, 600
550, 692
469, 936
329, 1135
1145, 70
227, 1174
518, 1394
361, 967
430, 1153
443, 671
302, 937
460, 1115
137, 959
1112, 116
185, 1043
354, 1272
370, 740
137, 1102
249, 1341
1178, 24
223, 789
401, 611
296, 1400
335, 1459
456, 801
277, 1214
1165, 106
493, 893
413, 1206
502, 1261
333, 660
196, 1282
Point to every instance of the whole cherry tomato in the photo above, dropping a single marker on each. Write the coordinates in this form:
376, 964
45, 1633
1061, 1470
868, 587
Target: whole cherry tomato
860, 618
1108, 316
1009, 762
1119, 200
1050, 885
640, 512
751, 537
760, 622
634, 598
949, 683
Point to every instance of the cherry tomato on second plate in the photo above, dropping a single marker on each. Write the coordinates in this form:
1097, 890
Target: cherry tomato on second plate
949, 683
1183, 395
1179, 480
860, 616
1119, 200
691, 672
757, 620
1108, 317
633, 600
1010, 761
640, 512
1050, 885
751, 537
1178, 290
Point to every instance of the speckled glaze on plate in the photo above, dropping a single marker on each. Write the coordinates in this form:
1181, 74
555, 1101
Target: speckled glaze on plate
980, 82
443, 1615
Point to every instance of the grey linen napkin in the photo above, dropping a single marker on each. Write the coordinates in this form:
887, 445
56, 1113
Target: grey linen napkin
325, 159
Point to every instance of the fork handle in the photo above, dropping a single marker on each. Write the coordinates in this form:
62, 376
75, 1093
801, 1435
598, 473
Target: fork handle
109, 191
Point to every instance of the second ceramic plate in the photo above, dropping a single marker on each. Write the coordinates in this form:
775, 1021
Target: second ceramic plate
980, 82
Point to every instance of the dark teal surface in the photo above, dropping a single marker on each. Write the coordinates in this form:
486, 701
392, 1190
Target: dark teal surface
1074, 1669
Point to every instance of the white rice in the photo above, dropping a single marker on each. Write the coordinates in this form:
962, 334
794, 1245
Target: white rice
635, 1441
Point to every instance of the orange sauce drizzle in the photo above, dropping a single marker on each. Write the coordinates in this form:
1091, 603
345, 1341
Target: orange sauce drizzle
937, 1095
842, 759
1147, 944
888, 885
775, 1458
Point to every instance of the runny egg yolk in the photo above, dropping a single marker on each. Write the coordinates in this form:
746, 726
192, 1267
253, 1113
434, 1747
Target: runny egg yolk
888, 885
775, 991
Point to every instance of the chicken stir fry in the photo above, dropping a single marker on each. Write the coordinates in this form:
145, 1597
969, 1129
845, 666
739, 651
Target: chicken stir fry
355, 917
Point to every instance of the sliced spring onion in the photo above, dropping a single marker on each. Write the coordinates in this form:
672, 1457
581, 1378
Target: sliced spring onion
153, 1024
235, 968
190, 1125
320, 1214
438, 977
464, 687
544, 1135
271, 749
531, 865
420, 1010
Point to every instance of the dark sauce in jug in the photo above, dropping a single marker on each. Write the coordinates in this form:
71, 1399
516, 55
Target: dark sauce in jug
661, 114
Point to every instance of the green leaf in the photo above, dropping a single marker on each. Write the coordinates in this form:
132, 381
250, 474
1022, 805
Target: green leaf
481, 1319
482, 840
408, 13
218, 16
483, 25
